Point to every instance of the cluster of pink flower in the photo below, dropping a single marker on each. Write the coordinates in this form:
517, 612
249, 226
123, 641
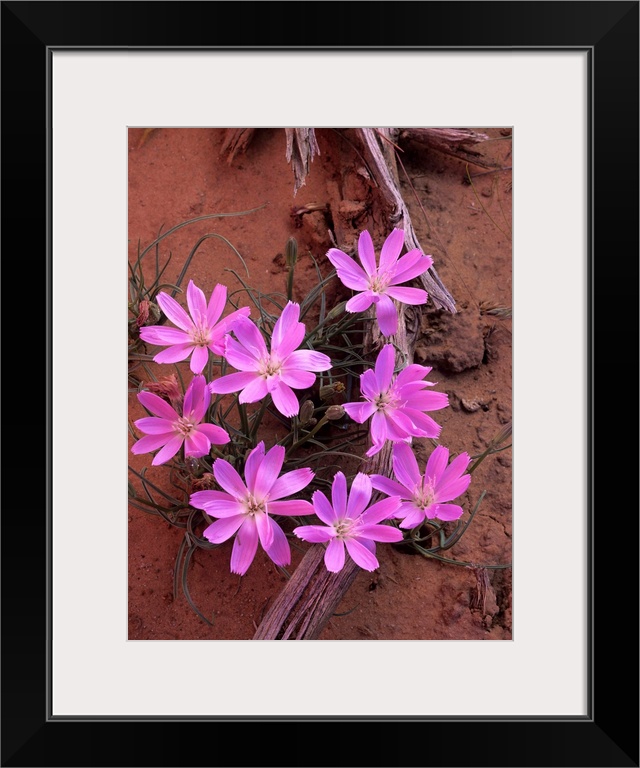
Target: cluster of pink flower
396, 405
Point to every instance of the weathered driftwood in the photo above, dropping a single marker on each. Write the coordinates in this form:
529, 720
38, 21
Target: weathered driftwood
449, 141
309, 599
301, 149
236, 140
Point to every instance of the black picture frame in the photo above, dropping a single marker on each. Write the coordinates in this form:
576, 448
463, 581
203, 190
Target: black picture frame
608, 736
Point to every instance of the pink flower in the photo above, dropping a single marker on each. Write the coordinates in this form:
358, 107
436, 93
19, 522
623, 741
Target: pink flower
348, 522
195, 335
276, 371
379, 284
246, 506
425, 496
168, 430
396, 405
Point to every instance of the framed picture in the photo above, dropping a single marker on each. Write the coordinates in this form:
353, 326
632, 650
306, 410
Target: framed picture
564, 76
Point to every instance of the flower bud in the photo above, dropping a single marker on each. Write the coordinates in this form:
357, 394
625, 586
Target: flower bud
329, 390
291, 252
335, 412
336, 312
306, 412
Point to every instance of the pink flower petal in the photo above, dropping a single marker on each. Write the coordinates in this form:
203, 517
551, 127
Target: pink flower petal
387, 533
414, 518
216, 304
412, 373
375, 448
223, 328
315, 534
252, 464
308, 360
334, 556
385, 364
255, 390
436, 464
216, 434
239, 357
152, 425
391, 249
174, 311
245, 547
199, 359
160, 335
361, 555
453, 488
196, 444
150, 443
381, 510
291, 507
359, 412
387, 316
169, 451
290, 483
369, 385
221, 530
455, 469
378, 429
297, 379
285, 400
359, 495
411, 265
448, 511
323, 508
196, 302
397, 425
196, 398
265, 532
228, 478
350, 274
407, 295
250, 337
279, 551
390, 487
338, 497
268, 472
360, 302
287, 332
405, 466
424, 426
232, 382
367, 253
174, 354
157, 406
216, 503
429, 401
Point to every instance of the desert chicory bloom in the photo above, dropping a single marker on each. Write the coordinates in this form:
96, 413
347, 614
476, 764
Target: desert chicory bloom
425, 496
245, 506
348, 523
277, 371
396, 405
378, 284
168, 430
195, 334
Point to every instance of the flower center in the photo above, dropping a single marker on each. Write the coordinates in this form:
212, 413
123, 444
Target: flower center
253, 507
270, 367
424, 495
184, 426
378, 283
344, 528
385, 400
201, 336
